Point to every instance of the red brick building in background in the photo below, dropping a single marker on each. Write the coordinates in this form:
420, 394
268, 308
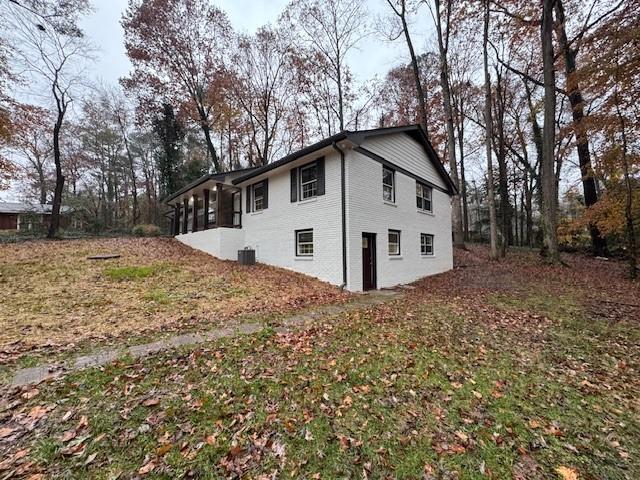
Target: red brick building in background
26, 216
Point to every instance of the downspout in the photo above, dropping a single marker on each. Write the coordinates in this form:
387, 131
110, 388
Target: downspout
344, 214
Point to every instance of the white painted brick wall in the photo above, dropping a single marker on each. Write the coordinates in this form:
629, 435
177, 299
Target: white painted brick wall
404, 151
367, 212
272, 231
223, 243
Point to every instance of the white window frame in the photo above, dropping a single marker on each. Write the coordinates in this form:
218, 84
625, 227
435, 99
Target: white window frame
254, 199
390, 243
424, 193
299, 251
391, 186
426, 242
313, 183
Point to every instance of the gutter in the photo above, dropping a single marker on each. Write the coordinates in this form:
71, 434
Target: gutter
344, 214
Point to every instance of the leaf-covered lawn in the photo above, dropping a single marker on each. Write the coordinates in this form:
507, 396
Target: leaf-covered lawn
54, 298
514, 370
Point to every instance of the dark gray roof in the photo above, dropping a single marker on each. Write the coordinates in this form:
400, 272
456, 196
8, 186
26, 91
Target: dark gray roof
16, 207
203, 179
357, 137
292, 156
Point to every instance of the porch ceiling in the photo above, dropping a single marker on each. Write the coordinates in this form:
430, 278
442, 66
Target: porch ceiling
183, 195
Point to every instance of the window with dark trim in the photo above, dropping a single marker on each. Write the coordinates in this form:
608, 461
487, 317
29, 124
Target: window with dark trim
394, 242
307, 181
423, 197
426, 244
388, 185
257, 196
304, 243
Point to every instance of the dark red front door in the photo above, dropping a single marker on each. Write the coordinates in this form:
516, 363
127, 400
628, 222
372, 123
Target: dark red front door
368, 261
8, 221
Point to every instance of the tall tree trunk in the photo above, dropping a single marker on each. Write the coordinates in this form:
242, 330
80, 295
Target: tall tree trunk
57, 193
536, 132
416, 78
598, 242
147, 189
132, 171
458, 109
528, 196
514, 227
206, 129
632, 245
340, 93
501, 154
522, 219
414, 65
463, 182
42, 185
458, 233
547, 168
493, 223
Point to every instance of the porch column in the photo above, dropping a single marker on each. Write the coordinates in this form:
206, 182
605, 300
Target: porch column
185, 216
220, 200
205, 193
194, 227
176, 219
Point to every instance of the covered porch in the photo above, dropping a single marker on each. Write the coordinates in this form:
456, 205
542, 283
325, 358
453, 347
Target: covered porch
206, 204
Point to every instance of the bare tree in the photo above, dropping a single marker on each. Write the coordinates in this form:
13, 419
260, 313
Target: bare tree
51, 53
32, 142
399, 8
547, 168
493, 224
264, 87
121, 114
332, 28
443, 45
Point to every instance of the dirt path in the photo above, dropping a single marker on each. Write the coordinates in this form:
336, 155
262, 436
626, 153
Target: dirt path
40, 373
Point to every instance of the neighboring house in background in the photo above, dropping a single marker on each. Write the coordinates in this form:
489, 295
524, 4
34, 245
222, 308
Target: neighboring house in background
28, 216
362, 210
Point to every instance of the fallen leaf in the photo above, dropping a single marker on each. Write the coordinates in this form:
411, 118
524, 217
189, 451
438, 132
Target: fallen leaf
150, 402
28, 395
164, 449
37, 412
83, 422
68, 436
147, 468
567, 473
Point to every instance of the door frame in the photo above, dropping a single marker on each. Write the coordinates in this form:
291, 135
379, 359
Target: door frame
371, 238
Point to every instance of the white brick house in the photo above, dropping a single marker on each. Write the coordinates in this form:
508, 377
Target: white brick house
362, 210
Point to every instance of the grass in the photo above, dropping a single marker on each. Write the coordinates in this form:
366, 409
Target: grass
130, 273
56, 301
446, 383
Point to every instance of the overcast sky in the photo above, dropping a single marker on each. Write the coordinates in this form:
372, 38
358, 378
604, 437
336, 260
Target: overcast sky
375, 56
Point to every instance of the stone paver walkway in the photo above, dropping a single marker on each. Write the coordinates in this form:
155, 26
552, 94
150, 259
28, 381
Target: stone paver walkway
40, 373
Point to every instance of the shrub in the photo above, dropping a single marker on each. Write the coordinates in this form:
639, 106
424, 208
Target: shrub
146, 230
